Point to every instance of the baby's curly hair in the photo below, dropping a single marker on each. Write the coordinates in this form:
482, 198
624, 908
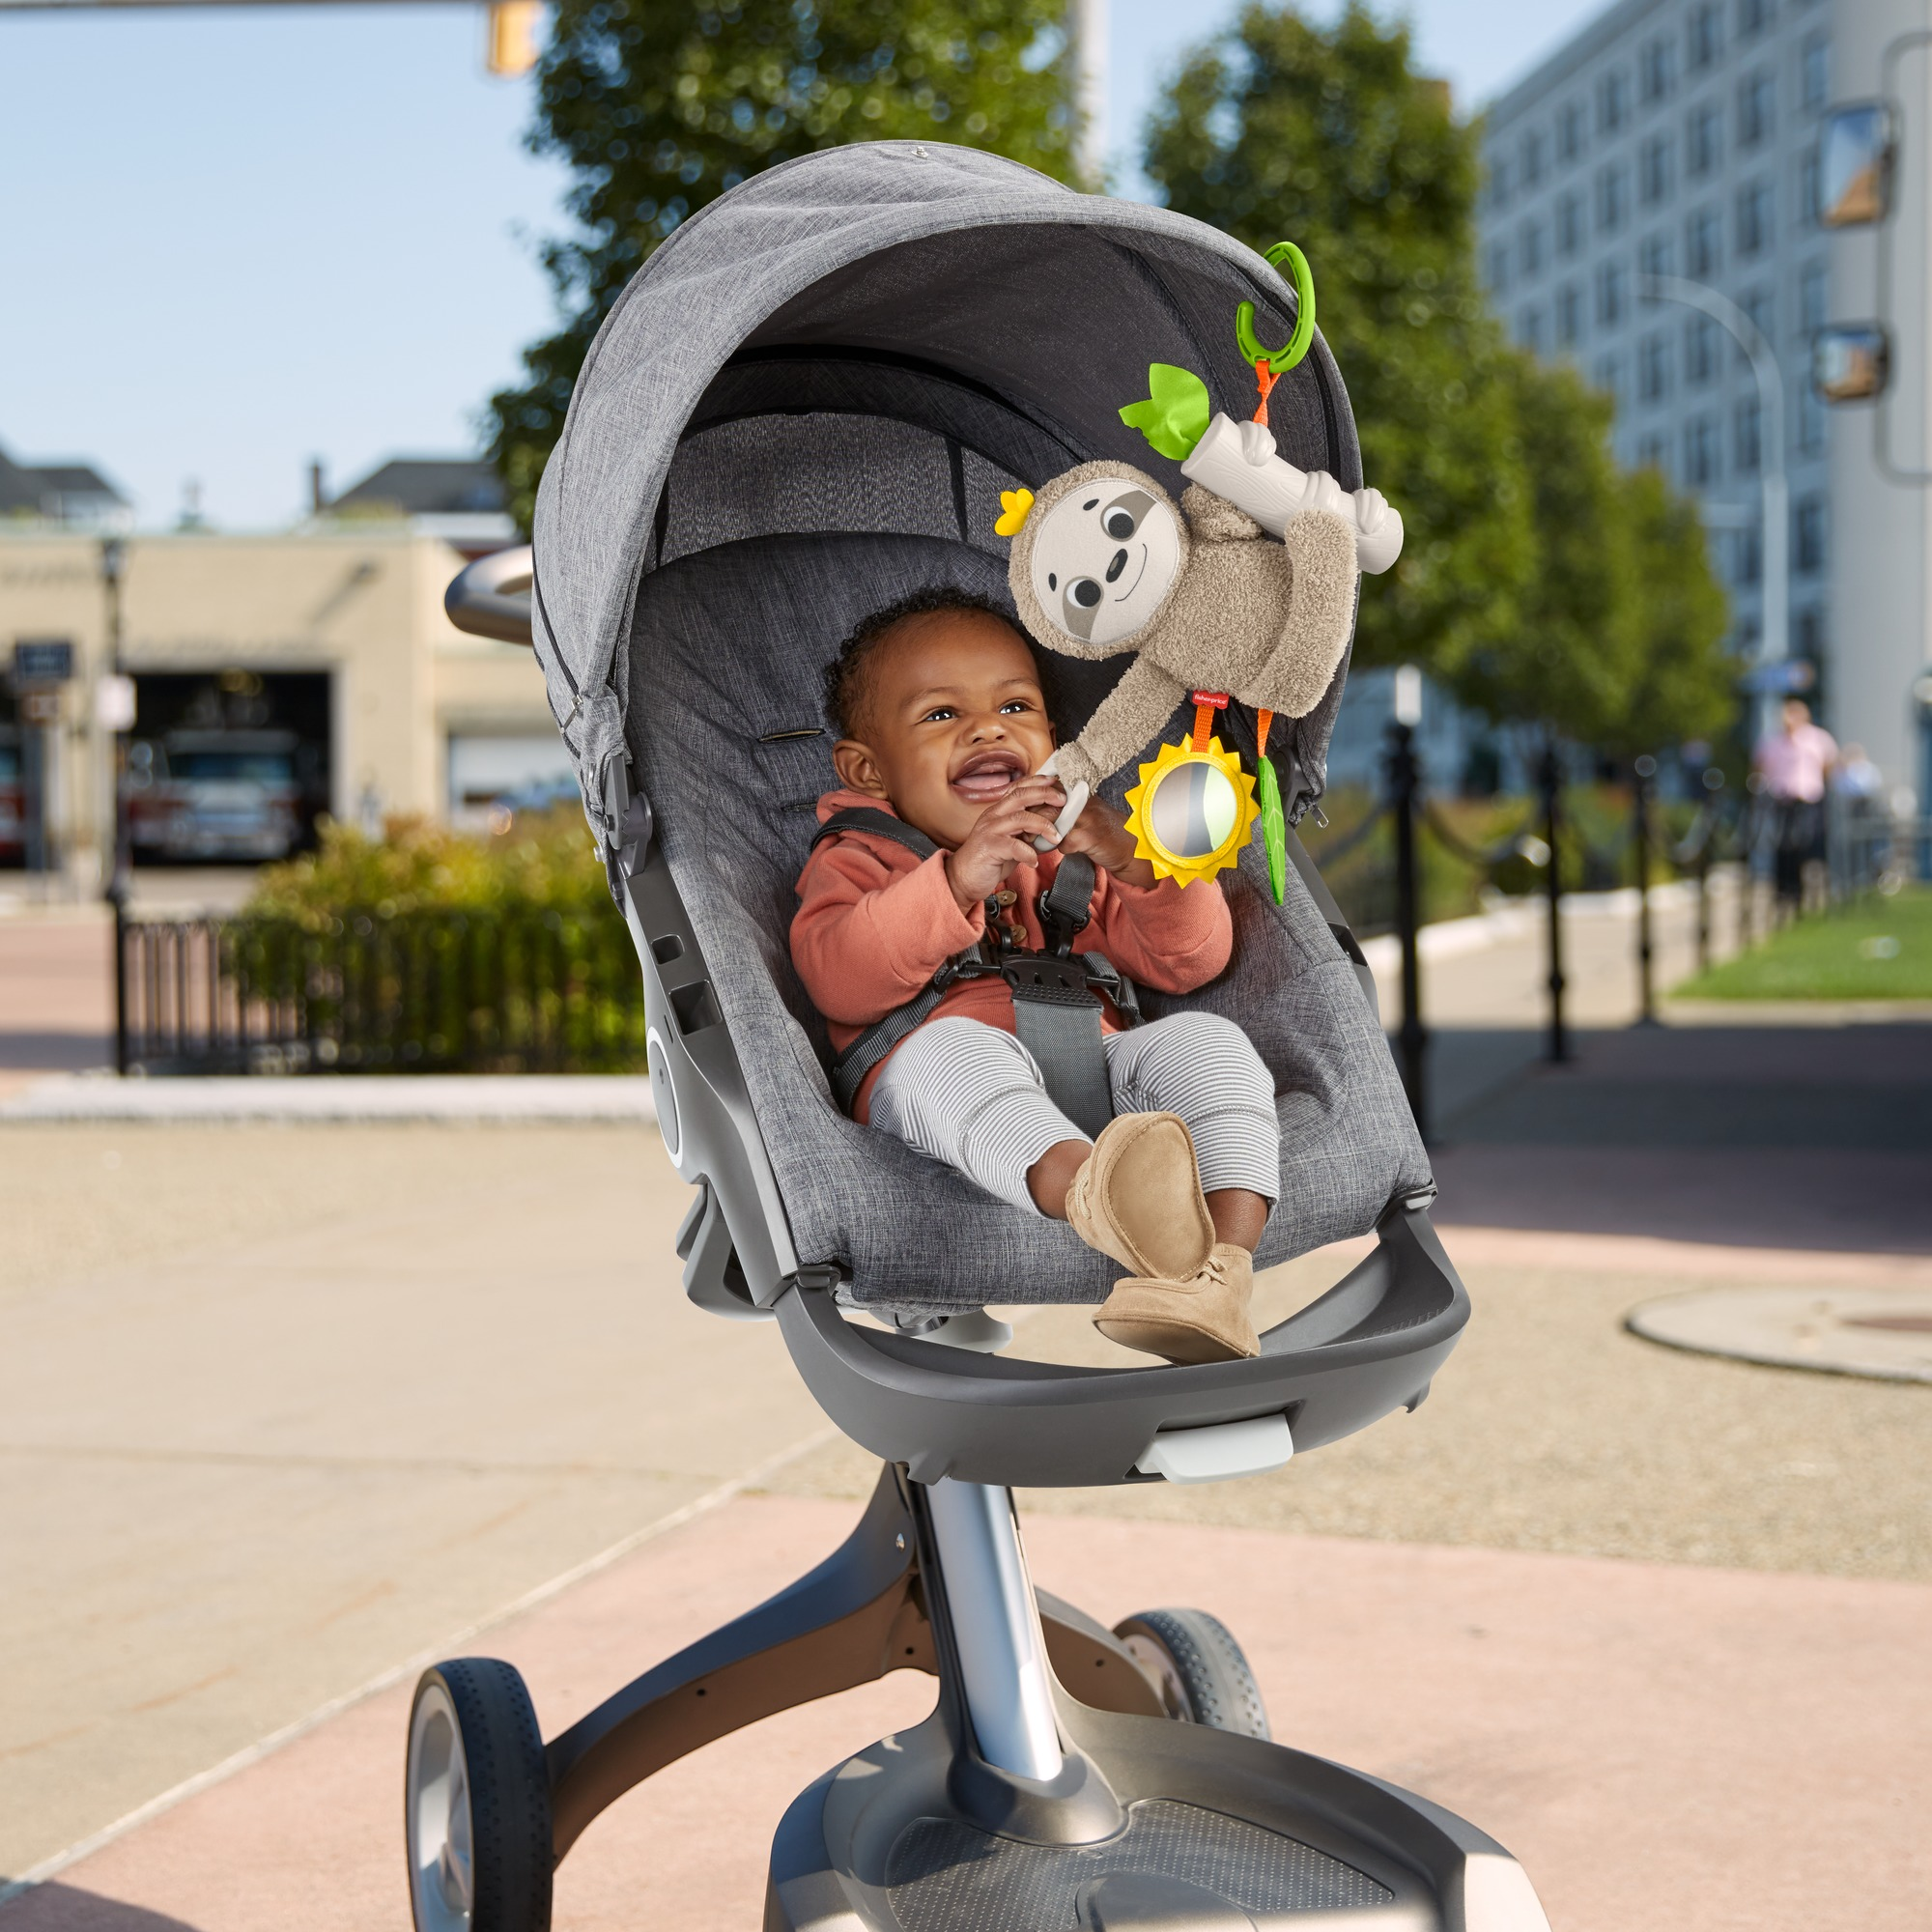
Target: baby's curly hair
846, 679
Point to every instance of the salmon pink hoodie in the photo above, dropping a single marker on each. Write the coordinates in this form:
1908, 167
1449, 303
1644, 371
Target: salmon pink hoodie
875, 923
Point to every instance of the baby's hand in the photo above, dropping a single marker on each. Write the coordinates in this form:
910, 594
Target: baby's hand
1108, 842
1002, 838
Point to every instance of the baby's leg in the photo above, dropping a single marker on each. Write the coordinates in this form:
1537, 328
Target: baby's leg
972, 1096
1205, 1069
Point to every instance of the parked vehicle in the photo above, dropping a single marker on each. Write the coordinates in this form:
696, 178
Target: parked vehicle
215, 795
13, 797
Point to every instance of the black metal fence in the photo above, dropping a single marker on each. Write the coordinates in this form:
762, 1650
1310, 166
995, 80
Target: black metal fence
424, 992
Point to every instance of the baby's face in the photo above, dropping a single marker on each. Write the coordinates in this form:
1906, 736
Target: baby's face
1104, 559
953, 718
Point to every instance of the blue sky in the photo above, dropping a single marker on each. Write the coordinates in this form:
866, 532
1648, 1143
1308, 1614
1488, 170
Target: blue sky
236, 239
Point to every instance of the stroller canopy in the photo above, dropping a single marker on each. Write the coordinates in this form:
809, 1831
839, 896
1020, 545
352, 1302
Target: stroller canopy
946, 288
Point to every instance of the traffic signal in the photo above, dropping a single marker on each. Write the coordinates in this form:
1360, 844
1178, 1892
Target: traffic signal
512, 36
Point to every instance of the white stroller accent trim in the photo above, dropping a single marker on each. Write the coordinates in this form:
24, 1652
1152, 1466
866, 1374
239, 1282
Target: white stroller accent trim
1220, 1452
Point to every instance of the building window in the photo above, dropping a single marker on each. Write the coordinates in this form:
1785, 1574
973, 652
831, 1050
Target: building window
1704, 140
1760, 311
1757, 96
1529, 159
1753, 220
1499, 182
1653, 452
1497, 272
1707, 36
1753, 17
1811, 295
1654, 257
1700, 452
1570, 225
1569, 316
1610, 293
1748, 555
1529, 330
1700, 349
1612, 199
1653, 367
1656, 72
1807, 188
1810, 420
1814, 72
1809, 536
1613, 101
1702, 243
1609, 376
1570, 131
1747, 440
1811, 635
1529, 248
1652, 169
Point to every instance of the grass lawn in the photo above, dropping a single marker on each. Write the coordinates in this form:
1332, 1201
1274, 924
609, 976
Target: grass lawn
1880, 948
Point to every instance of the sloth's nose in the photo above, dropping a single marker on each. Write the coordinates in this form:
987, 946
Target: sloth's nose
1119, 564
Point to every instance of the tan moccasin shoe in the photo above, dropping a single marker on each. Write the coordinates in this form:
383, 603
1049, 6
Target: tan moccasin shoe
1201, 1319
1138, 1198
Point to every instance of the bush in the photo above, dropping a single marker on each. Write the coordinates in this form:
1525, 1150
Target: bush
429, 949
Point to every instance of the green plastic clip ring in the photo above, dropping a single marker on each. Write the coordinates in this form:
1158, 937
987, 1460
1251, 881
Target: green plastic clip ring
1281, 361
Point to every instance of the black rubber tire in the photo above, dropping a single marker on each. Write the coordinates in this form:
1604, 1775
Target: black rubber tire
1199, 1668
508, 1799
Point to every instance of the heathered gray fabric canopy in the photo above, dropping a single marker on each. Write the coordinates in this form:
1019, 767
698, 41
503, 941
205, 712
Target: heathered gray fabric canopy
928, 256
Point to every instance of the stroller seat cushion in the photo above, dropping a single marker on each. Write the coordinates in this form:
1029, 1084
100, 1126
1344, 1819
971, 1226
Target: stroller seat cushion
728, 739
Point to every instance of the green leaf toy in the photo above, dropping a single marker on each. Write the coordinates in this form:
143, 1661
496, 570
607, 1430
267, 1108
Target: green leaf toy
1273, 825
1174, 415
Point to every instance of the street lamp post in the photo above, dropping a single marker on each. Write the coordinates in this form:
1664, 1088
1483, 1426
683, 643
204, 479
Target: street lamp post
1775, 635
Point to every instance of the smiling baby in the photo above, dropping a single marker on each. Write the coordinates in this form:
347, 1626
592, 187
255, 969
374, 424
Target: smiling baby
944, 726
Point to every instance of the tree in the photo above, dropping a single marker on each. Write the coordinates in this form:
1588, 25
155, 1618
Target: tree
1325, 137
659, 107
1683, 682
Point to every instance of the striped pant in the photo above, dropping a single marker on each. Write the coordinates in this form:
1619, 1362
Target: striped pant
972, 1096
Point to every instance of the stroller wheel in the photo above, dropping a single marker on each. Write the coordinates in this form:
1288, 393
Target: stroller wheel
1199, 1668
476, 1802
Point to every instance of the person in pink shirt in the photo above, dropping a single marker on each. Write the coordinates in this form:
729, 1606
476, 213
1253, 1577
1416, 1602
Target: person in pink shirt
1794, 762
943, 726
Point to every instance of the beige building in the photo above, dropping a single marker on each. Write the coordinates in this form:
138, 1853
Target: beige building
335, 632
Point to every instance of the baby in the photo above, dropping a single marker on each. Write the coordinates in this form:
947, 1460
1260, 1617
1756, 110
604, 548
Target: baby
939, 704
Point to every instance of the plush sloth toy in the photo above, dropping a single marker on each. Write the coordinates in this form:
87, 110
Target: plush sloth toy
1103, 562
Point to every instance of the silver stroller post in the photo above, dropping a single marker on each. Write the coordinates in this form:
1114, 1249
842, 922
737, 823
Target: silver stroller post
996, 1629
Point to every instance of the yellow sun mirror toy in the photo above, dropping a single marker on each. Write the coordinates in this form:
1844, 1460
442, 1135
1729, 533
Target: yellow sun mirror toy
1193, 810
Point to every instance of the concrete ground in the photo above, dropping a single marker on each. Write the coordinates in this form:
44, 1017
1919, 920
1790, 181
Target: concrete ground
290, 1406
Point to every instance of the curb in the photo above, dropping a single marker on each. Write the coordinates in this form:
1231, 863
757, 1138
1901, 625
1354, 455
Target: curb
513, 1099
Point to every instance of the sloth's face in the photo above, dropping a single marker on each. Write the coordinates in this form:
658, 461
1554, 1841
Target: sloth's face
1105, 556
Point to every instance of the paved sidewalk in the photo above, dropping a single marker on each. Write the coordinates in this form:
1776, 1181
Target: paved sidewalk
1661, 1747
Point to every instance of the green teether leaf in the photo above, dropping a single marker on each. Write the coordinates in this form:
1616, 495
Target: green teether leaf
1174, 416
1274, 826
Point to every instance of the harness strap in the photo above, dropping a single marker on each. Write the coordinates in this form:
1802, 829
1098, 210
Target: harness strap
1056, 994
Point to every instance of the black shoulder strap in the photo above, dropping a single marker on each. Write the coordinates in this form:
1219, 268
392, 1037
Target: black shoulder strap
880, 824
1067, 904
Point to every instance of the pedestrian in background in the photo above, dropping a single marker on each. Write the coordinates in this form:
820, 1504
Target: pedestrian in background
1794, 762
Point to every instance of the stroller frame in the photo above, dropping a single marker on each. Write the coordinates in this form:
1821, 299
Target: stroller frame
1053, 1784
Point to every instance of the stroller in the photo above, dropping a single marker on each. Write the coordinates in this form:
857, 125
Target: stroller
806, 406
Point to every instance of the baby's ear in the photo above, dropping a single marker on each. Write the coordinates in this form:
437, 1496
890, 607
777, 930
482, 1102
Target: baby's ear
857, 768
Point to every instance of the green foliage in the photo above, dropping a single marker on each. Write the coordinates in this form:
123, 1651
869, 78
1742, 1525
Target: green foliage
1325, 137
429, 950
542, 862
1566, 659
1175, 413
1879, 948
1683, 681
659, 106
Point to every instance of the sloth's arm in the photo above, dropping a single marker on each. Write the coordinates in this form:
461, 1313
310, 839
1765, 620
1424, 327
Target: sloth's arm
1129, 715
